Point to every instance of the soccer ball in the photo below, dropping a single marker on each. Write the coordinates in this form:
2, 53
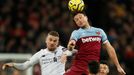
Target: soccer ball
76, 5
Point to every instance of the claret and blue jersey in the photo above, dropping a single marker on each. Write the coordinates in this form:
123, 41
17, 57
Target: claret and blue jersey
89, 42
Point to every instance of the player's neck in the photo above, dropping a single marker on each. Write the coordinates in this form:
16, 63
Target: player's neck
86, 26
51, 50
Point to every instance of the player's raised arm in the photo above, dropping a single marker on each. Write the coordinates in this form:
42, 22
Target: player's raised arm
72, 42
69, 50
71, 45
19, 66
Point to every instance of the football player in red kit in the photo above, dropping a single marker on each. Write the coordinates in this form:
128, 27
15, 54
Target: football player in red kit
88, 40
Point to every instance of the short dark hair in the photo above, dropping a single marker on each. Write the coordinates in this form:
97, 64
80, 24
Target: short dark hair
104, 62
94, 67
84, 13
54, 33
75, 13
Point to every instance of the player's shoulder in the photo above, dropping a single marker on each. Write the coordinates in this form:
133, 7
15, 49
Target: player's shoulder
39, 53
62, 48
42, 51
78, 30
95, 28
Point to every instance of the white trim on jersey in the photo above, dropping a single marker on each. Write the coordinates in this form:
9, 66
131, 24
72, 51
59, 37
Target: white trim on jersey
105, 41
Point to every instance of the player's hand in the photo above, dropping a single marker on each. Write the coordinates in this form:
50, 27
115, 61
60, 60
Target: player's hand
71, 45
63, 58
7, 65
121, 71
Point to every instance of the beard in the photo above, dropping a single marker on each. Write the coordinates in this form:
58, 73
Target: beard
51, 48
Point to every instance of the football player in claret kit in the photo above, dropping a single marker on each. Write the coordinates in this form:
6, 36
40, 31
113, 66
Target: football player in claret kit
88, 41
49, 58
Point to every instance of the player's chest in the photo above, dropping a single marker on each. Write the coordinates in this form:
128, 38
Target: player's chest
89, 33
50, 57
90, 36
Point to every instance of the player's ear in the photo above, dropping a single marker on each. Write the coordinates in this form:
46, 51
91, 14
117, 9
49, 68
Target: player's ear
86, 18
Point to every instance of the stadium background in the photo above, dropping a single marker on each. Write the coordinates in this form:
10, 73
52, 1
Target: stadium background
24, 23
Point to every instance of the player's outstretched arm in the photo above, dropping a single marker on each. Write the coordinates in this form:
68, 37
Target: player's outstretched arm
18, 66
113, 56
22, 66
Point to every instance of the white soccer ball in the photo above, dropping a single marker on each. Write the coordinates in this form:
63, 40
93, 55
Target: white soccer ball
76, 5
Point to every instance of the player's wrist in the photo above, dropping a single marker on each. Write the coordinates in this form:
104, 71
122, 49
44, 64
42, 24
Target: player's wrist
118, 65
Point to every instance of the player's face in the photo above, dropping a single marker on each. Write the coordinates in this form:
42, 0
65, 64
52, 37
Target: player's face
104, 70
52, 42
80, 19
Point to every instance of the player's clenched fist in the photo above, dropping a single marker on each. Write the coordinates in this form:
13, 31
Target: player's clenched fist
7, 65
71, 45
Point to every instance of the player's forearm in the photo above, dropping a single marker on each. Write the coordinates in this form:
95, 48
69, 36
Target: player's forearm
113, 56
22, 66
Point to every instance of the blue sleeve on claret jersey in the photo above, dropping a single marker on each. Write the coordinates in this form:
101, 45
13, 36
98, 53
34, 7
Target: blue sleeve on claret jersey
104, 36
74, 35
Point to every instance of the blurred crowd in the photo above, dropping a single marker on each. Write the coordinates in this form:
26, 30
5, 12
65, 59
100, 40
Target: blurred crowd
25, 23
117, 19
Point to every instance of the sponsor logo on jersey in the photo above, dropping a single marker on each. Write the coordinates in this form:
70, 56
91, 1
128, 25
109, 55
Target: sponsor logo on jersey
51, 60
91, 39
